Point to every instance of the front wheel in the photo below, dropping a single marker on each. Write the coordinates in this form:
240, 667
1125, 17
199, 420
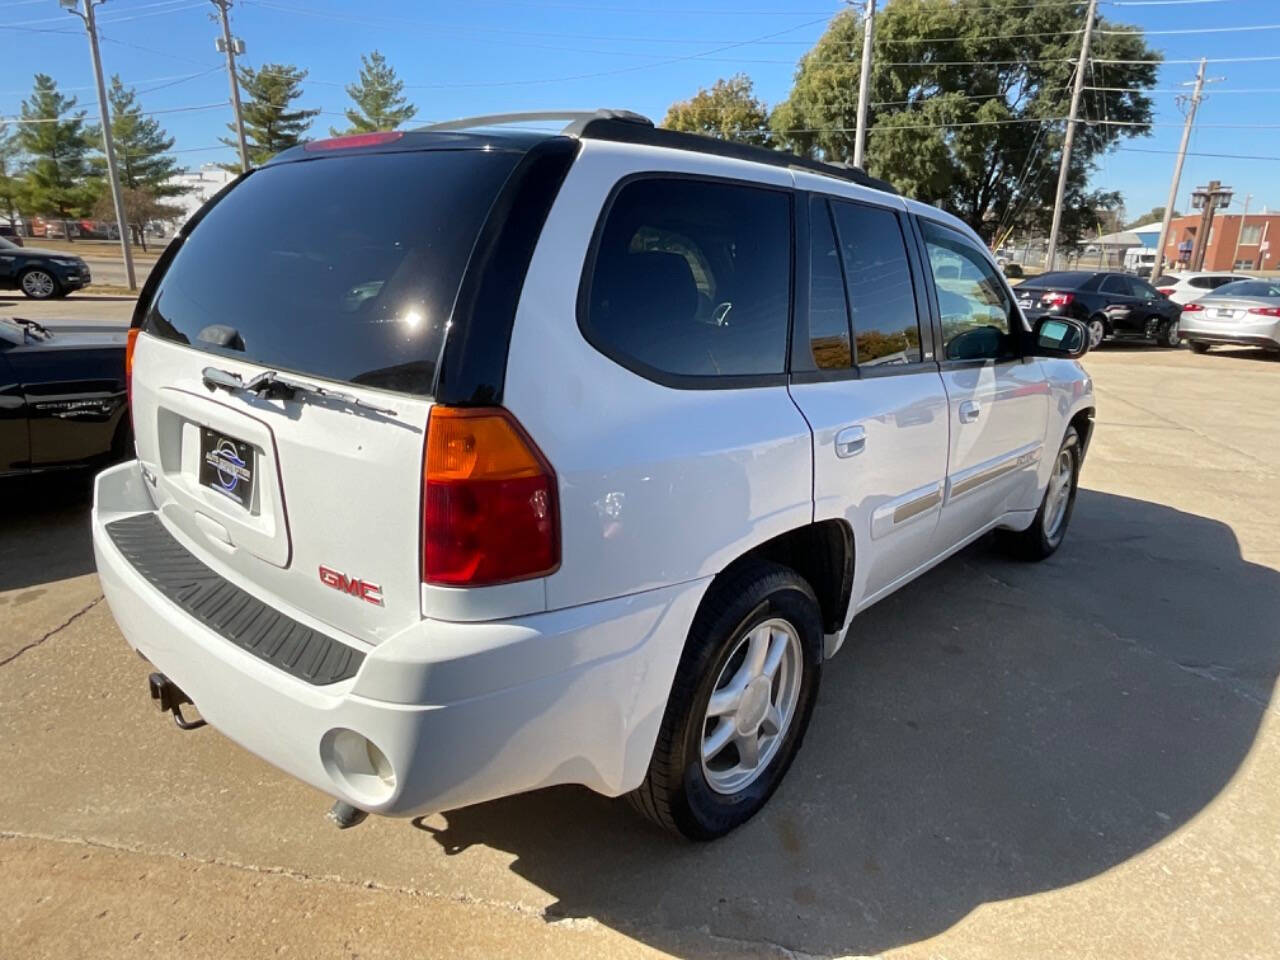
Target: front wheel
39, 284
739, 706
1044, 536
1169, 336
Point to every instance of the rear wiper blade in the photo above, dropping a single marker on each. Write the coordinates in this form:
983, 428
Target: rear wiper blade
32, 326
271, 384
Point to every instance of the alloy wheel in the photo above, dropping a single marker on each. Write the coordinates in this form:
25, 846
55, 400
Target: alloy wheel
751, 706
38, 284
1058, 495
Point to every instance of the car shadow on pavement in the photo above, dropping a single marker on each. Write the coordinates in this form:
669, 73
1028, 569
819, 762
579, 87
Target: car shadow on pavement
991, 731
44, 529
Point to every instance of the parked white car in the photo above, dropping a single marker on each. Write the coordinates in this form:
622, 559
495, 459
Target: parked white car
471, 461
1183, 286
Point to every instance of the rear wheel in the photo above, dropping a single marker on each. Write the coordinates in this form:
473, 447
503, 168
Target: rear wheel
1199, 346
38, 284
739, 706
1044, 536
1097, 332
1169, 336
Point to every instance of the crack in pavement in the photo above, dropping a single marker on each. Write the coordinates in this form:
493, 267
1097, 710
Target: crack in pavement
545, 915
60, 627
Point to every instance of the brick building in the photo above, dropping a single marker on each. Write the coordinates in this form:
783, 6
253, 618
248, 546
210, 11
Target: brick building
1259, 243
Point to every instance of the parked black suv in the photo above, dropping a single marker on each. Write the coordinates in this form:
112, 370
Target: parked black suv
1109, 304
40, 274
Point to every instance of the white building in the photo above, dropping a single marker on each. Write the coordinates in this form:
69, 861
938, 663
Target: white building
199, 185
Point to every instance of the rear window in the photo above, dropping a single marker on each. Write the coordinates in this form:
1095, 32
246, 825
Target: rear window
345, 268
1068, 281
1248, 288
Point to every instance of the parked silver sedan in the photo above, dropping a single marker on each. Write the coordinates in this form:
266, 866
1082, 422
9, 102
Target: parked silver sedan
1243, 313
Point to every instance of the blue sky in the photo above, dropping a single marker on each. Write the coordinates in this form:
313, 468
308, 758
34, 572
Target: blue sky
484, 56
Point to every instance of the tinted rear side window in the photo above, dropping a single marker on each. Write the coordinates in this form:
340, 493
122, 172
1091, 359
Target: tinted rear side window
344, 268
693, 278
882, 300
828, 311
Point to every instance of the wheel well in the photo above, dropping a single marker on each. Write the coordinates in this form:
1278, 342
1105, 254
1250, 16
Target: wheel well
820, 552
1083, 422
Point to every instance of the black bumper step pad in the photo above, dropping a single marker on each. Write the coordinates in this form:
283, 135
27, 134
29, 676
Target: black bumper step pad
226, 609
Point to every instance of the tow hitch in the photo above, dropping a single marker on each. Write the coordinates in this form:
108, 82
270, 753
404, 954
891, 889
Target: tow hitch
169, 699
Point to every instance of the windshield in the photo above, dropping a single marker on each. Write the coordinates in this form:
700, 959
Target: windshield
344, 268
1248, 288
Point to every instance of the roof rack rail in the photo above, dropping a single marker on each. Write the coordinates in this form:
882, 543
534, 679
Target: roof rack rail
624, 126
576, 119
606, 128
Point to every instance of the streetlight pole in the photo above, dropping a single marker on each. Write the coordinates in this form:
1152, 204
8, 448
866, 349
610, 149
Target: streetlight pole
864, 84
108, 147
1076, 89
231, 47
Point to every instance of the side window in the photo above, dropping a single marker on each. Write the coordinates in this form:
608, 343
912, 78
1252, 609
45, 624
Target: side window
1220, 281
1202, 283
828, 310
1114, 283
693, 278
882, 302
1143, 290
978, 322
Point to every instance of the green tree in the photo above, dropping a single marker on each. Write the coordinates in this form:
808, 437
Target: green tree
58, 177
967, 99
379, 104
1154, 215
729, 110
143, 161
269, 125
9, 182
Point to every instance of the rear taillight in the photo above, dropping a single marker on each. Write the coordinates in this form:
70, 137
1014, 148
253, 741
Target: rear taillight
1166, 291
1192, 308
130, 341
489, 511
1056, 299
1265, 311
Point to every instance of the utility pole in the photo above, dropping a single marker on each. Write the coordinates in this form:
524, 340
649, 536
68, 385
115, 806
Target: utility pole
1244, 220
107, 146
1196, 95
1076, 89
231, 46
864, 84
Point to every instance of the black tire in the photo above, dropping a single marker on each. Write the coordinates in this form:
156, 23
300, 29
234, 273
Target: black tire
1199, 346
36, 283
1169, 335
1034, 543
676, 793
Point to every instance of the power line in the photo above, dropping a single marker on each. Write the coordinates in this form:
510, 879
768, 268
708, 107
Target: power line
146, 113
1165, 63
1192, 153
1139, 31
1183, 93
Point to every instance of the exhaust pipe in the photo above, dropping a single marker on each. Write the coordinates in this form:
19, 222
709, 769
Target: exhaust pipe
169, 698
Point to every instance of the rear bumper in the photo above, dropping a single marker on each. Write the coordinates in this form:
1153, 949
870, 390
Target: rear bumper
463, 712
1265, 333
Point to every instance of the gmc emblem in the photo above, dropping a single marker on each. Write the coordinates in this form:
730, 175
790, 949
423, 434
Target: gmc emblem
366, 591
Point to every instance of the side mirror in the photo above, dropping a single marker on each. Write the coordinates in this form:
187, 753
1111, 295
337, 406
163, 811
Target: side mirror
1059, 337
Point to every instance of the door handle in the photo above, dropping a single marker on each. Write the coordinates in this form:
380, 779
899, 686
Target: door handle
850, 442
969, 411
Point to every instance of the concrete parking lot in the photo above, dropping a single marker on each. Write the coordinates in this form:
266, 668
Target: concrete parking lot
1074, 759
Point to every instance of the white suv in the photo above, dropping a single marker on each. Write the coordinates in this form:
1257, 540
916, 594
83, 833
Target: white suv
473, 460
